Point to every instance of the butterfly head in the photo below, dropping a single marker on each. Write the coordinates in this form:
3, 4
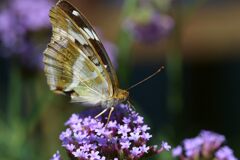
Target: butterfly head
121, 95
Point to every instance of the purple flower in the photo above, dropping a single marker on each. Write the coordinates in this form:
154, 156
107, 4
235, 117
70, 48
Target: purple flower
65, 134
88, 138
123, 130
80, 154
125, 144
20, 20
33, 15
151, 29
56, 156
135, 151
206, 145
177, 151
166, 146
94, 155
70, 147
146, 136
211, 141
134, 136
144, 148
225, 153
112, 124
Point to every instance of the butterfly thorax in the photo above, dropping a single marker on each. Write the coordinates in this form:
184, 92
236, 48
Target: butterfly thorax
118, 97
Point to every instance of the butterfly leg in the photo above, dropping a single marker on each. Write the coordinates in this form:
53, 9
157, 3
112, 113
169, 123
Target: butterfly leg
101, 113
109, 115
130, 105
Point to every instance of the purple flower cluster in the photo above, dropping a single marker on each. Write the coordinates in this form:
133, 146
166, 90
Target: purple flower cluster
147, 22
21, 16
124, 137
207, 145
155, 27
19, 19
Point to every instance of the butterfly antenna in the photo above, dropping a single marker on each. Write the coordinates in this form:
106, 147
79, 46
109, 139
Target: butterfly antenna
147, 78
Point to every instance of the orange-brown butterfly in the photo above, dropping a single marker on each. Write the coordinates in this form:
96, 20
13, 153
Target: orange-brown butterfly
76, 62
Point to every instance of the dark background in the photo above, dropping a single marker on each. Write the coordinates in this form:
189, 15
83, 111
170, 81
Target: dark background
199, 88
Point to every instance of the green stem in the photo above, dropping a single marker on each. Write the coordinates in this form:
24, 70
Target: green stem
125, 41
40, 103
121, 155
174, 58
16, 130
174, 66
14, 95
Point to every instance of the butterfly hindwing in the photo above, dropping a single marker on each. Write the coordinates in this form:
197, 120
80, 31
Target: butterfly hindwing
72, 63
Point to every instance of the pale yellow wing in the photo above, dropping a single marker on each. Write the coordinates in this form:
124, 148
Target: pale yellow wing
72, 61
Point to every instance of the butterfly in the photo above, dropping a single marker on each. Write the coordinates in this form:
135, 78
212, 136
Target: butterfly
76, 63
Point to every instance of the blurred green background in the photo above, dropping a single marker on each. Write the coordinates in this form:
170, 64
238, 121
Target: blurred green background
196, 40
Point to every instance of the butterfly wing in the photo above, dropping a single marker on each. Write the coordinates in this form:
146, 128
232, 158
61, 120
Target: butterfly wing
76, 62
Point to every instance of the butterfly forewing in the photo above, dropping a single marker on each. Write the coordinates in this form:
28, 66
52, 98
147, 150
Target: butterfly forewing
86, 30
75, 60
